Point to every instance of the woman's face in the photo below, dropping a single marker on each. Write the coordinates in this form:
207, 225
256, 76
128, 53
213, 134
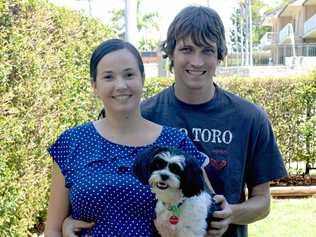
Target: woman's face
119, 83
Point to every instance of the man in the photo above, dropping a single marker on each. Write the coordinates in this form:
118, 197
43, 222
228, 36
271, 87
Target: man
235, 134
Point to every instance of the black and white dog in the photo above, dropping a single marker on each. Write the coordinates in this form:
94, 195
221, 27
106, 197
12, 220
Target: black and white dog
184, 208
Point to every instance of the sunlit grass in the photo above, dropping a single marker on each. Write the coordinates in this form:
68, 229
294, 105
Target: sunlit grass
287, 218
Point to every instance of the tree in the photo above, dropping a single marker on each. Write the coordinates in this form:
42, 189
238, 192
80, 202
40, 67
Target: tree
148, 20
259, 8
148, 44
145, 22
117, 22
237, 35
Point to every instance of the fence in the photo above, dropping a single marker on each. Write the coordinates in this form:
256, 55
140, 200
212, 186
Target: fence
276, 55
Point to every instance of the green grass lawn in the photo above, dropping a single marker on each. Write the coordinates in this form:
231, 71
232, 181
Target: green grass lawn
287, 218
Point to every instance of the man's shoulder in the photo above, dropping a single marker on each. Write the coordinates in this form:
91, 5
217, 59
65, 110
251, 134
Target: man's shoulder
241, 105
152, 102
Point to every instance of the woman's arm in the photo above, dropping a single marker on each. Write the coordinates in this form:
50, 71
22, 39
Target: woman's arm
58, 205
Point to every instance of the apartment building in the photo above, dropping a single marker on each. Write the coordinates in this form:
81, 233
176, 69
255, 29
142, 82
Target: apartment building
293, 38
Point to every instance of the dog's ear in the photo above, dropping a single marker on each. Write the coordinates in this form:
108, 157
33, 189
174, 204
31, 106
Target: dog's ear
192, 181
141, 166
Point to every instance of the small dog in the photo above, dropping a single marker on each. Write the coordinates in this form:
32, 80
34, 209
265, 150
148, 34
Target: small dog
184, 208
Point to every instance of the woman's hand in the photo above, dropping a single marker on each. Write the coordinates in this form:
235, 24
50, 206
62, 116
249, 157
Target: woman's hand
219, 227
71, 226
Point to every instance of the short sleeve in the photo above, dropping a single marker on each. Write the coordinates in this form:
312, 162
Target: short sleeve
265, 163
187, 146
61, 152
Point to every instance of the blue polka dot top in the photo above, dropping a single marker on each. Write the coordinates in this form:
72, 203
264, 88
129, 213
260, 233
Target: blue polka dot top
101, 185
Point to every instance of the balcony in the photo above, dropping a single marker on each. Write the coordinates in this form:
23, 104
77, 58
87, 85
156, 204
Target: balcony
286, 34
310, 28
266, 40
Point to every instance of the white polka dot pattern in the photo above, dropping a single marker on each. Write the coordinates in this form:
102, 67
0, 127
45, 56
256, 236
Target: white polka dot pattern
101, 186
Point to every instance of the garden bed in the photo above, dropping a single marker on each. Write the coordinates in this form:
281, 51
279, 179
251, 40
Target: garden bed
294, 186
295, 180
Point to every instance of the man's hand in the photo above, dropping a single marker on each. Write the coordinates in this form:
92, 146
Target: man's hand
218, 228
71, 226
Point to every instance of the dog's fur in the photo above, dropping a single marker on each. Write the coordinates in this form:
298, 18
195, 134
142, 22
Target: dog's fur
177, 180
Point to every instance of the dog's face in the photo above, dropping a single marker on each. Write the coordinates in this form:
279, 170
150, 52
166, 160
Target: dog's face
171, 173
166, 171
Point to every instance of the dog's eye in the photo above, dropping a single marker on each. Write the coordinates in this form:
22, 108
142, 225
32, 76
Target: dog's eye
175, 168
158, 164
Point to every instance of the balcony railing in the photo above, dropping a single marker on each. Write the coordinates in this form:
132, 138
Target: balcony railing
310, 25
286, 33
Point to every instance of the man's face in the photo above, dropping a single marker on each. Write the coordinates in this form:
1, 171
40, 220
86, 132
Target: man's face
194, 66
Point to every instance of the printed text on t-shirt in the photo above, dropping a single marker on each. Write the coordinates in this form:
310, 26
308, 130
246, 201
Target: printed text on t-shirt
210, 135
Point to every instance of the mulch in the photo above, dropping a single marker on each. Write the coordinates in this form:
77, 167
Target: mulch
295, 180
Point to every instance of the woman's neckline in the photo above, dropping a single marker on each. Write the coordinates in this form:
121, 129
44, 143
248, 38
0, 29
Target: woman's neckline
162, 129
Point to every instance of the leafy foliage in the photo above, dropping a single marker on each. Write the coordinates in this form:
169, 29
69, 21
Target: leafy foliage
148, 45
44, 87
290, 103
155, 85
117, 22
239, 21
258, 8
148, 21
237, 33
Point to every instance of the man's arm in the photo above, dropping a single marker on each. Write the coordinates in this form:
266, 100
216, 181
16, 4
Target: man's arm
256, 207
71, 226
219, 227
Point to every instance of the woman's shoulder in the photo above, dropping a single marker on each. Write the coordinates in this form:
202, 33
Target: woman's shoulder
73, 136
78, 130
173, 130
173, 135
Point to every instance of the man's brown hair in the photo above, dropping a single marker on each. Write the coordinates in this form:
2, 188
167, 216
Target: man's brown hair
202, 24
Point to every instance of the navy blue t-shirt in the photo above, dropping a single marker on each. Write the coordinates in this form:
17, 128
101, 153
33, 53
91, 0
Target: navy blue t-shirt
235, 134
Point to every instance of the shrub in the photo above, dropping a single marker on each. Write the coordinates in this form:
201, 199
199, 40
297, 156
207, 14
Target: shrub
44, 88
290, 103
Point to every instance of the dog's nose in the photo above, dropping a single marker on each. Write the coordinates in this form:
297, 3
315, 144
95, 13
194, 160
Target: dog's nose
164, 177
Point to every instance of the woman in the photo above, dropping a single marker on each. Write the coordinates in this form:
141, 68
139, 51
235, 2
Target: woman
92, 179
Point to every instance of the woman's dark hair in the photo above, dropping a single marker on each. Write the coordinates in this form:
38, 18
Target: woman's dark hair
202, 24
110, 46
107, 47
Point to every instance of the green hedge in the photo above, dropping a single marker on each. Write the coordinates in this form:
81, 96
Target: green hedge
290, 103
44, 88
